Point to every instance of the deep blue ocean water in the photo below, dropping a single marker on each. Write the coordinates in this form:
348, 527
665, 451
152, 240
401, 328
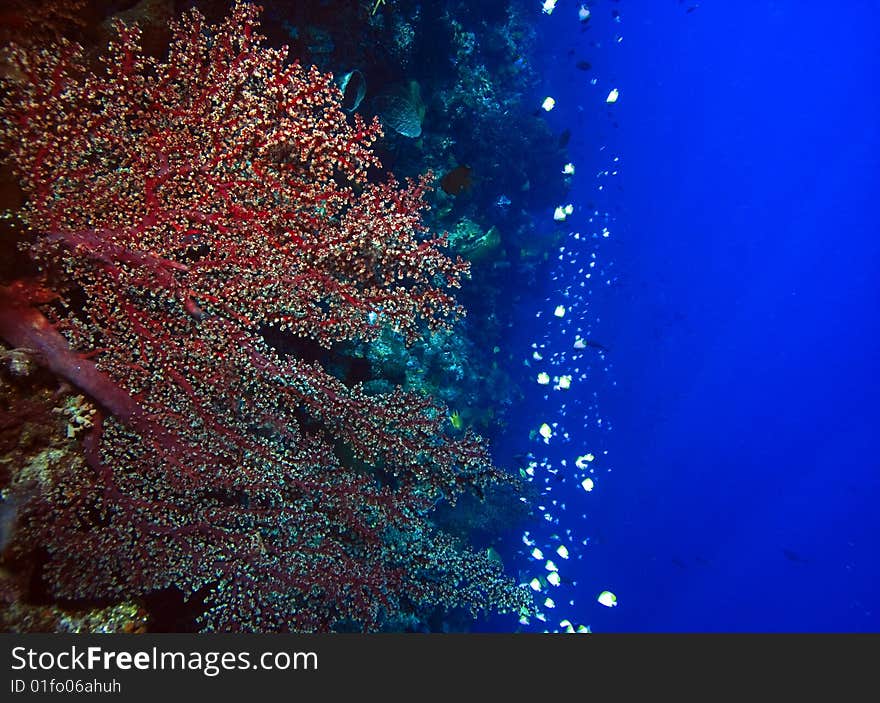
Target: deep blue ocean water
699, 355
733, 412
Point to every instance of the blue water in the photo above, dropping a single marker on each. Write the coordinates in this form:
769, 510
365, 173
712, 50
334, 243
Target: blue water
737, 299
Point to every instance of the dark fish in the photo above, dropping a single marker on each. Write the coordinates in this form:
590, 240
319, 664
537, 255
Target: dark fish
679, 563
457, 181
564, 138
584, 65
794, 556
589, 343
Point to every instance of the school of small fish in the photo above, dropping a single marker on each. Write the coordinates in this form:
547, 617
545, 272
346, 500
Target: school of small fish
567, 461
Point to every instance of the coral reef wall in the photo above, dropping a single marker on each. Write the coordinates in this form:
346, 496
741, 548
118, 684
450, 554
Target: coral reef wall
193, 221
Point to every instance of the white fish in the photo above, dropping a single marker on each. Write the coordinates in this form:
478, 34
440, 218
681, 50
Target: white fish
563, 384
583, 461
608, 599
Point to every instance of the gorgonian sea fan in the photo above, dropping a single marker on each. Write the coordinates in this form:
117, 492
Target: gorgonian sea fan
178, 209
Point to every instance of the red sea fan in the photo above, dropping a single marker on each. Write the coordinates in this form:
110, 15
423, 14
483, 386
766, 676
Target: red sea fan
179, 209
